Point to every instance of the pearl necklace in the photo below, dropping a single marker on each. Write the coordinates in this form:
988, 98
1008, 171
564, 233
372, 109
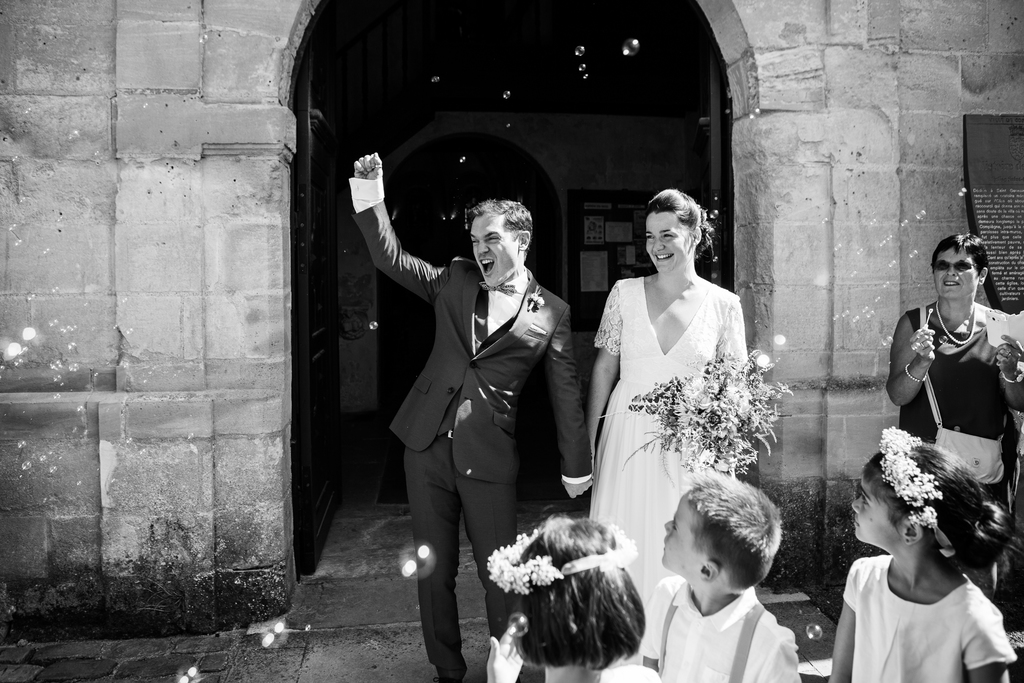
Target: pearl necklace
949, 335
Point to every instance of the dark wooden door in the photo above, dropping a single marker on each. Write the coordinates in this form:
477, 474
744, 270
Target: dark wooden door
316, 441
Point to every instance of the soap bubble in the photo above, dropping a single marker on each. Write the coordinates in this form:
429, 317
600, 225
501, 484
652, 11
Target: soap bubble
435, 79
586, 76
374, 325
780, 340
920, 214
580, 50
28, 334
278, 627
12, 350
518, 625
462, 160
757, 110
714, 213
26, 465
914, 253
763, 360
630, 46
507, 94
183, 679
409, 568
964, 190
583, 67
268, 640
419, 561
193, 671
814, 631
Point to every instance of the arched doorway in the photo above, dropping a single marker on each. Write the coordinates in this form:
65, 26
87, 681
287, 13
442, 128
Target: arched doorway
428, 195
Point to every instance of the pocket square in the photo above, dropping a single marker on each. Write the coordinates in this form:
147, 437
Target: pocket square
537, 330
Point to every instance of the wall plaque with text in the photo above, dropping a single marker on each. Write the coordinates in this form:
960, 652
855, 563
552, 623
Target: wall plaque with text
994, 173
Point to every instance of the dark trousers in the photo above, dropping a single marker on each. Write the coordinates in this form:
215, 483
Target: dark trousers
438, 494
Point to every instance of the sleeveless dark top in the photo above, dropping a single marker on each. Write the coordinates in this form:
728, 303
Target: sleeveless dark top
966, 383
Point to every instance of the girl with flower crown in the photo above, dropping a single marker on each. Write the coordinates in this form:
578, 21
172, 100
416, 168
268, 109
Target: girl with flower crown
583, 616
912, 616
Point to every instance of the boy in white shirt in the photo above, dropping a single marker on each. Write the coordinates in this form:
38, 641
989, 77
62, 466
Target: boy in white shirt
721, 543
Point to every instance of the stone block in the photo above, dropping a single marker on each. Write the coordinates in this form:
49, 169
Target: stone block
67, 12
801, 445
159, 191
864, 399
250, 190
51, 477
860, 78
247, 596
251, 536
192, 332
170, 10
241, 67
730, 33
861, 136
162, 479
77, 669
248, 470
23, 548
15, 655
245, 326
792, 80
883, 23
929, 139
158, 55
798, 137
76, 59
754, 244
937, 25
168, 417
167, 666
248, 374
179, 126
19, 673
790, 23
929, 82
244, 257
1005, 28
993, 83
801, 504
151, 326
805, 402
47, 127
248, 414
7, 70
156, 599
796, 194
267, 17
847, 21
159, 257
801, 366
933, 191
63, 257
83, 649
802, 316
74, 544
75, 329
138, 648
37, 418
177, 547
187, 376
216, 643
803, 251
870, 321
54, 192
866, 363
840, 540
852, 440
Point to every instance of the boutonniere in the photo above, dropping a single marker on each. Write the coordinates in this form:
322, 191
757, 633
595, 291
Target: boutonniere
534, 302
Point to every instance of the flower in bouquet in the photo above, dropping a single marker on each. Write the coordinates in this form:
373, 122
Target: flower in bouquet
714, 418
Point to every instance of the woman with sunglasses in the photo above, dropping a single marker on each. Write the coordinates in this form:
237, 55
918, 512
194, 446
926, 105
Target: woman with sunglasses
945, 344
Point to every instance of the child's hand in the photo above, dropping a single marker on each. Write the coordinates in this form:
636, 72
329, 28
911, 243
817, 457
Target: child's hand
504, 662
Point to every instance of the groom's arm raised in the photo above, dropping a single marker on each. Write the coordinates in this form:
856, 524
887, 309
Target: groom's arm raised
415, 274
564, 390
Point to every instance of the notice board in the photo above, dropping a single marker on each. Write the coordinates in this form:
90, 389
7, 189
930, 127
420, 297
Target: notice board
994, 174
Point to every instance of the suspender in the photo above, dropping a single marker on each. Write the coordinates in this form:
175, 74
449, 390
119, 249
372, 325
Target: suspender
739, 661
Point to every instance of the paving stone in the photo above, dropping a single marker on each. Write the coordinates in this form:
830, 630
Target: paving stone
203, 644
167, 665
73, 669
18, 673
15, 655
81, 649
134, 649
215, 662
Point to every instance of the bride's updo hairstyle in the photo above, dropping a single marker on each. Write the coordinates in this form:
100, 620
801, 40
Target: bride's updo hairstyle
690, 214
591, 618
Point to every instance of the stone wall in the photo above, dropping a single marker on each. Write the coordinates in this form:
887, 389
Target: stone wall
144, 184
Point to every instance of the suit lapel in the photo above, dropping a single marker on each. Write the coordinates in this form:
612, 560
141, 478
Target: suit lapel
469, 293
522, 321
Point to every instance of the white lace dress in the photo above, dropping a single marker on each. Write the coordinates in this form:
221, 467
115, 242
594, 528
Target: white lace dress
631, 488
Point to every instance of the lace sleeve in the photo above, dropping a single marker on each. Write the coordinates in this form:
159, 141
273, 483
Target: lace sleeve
732, 341
609, 334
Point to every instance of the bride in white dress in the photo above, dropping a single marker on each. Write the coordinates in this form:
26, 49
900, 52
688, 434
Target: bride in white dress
670, 324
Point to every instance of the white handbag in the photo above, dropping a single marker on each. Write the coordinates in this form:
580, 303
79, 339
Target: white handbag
983, 456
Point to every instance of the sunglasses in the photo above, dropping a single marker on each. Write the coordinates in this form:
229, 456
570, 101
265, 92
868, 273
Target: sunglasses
959, 266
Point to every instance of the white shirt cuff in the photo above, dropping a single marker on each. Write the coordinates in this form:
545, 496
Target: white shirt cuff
366, 193
577, 480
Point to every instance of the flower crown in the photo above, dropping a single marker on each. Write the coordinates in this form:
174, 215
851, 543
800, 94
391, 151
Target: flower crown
512, 575
915, 487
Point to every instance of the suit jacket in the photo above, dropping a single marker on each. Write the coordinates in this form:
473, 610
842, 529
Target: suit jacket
487, 383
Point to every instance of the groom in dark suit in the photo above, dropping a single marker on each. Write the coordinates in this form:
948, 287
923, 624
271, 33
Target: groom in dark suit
494, 324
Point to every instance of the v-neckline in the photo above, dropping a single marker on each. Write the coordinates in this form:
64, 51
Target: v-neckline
650, 323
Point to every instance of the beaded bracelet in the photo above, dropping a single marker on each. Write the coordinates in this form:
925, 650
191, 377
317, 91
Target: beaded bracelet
906, 369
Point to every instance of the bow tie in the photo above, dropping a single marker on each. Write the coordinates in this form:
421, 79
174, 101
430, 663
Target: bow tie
504, 288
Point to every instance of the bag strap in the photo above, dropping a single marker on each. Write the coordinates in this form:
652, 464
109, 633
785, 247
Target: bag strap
927, 378
739, 662
664, 632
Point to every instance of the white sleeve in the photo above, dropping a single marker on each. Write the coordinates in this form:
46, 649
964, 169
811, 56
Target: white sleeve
984, 638
366, 193
609, 333
781, 662
654, 614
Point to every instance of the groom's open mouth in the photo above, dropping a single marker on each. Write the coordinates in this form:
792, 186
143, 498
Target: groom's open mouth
486, 265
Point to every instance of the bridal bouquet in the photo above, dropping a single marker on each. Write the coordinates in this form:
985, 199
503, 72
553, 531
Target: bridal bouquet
711, 419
